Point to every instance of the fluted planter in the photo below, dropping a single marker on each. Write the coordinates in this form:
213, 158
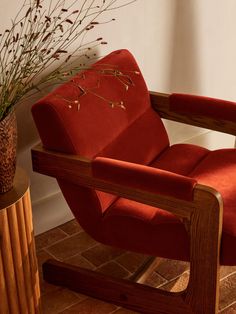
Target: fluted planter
8, 142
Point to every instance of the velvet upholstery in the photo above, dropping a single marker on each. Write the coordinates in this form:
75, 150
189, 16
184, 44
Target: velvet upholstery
144, 178
70, 129
180, 158
203, 106
123, 143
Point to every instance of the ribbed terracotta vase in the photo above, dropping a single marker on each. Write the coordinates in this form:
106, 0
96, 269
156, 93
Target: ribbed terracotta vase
8, 141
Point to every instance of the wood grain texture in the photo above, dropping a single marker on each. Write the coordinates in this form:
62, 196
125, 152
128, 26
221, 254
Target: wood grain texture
24, 246
17, 257
8, 265
203, 216
125, 293
19, 283
4, 306
34, 272
160, 102
205, 235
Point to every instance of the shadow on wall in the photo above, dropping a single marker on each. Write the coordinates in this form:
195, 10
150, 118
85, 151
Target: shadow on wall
184, 75
185, 67
187, 74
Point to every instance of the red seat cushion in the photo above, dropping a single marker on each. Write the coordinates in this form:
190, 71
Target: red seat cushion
180, 158
218, 170
150, 230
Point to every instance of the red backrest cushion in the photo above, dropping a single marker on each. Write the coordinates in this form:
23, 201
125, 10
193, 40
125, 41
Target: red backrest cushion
134, 134
95, 126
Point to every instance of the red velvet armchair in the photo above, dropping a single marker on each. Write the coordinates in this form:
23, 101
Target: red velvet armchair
130, 189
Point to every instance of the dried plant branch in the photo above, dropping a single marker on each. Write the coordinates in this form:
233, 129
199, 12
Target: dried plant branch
36, 49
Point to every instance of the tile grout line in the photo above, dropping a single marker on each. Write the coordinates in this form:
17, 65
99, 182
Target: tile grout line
64, 259
227, 306
116, 310
115, 262
68, 236
82, 230
53, 256
227, 276
87, 261
156, 271
97, 266
173, 279
63, 231
70, 306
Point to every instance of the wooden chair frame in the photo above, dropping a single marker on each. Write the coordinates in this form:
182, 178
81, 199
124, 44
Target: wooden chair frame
202, 218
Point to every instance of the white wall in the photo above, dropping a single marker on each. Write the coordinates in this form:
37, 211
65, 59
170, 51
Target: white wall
203, 61
180, 45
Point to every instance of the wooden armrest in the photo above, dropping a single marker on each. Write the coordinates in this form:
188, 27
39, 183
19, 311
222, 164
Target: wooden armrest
78, 170
160, 103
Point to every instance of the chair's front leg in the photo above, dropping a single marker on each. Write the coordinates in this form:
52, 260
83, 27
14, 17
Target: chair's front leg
202, 293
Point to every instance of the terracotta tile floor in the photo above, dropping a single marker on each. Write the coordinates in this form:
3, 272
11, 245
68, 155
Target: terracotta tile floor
71, 244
